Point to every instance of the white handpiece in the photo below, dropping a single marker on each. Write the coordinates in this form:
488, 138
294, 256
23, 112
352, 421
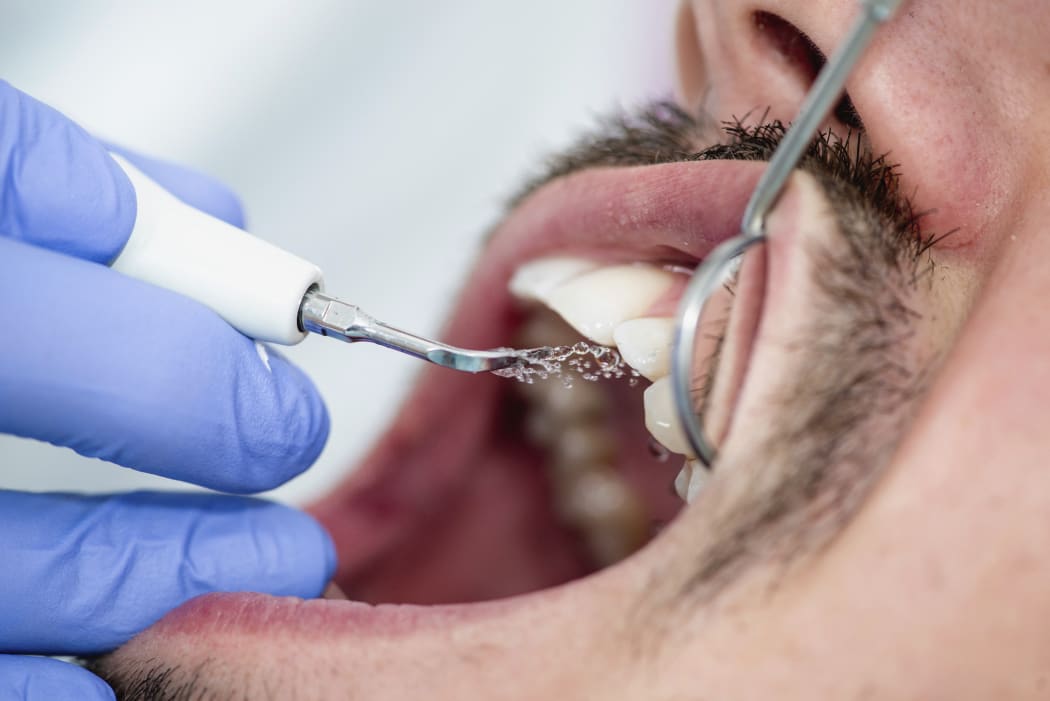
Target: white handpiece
262, 291
255, 286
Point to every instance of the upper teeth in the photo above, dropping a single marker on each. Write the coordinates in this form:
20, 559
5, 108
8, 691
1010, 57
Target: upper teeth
609, 305
645, 345
593, 300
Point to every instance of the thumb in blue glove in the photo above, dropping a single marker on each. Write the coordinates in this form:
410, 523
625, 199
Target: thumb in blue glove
93, 571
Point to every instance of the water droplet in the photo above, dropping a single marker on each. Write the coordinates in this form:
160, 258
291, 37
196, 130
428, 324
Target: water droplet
581, 360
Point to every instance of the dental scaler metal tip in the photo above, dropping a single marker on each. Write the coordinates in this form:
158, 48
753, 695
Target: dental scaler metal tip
329, 316
261, 290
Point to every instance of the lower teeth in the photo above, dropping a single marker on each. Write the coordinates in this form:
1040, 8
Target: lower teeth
571, 424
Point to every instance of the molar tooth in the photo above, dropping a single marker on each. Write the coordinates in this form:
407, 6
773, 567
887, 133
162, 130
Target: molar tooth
597, 302
661, 419
645, 345
536, 279
583, 443
609, 515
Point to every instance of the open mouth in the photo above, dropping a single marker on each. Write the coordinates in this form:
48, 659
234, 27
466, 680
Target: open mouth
485, 488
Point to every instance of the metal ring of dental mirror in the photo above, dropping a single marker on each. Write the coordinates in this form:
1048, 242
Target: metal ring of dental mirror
704, 282
814, 110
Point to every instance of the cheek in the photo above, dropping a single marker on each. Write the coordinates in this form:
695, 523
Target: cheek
960, 180
691, 73
949, 143
956, 97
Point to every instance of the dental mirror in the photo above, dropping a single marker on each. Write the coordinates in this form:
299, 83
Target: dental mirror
721, 308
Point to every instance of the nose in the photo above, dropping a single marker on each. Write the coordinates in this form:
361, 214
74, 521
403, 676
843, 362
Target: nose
739, 61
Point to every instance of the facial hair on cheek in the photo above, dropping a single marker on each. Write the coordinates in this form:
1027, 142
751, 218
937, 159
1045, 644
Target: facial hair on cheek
831, 427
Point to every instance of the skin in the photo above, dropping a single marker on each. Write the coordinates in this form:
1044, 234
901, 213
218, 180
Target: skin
938, 586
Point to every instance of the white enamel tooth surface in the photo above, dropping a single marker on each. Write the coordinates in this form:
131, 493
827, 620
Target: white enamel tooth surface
681, 481
611, 518
698, 478
661, 418
596, 302
645, 345
690, 480
583, 444
535, 280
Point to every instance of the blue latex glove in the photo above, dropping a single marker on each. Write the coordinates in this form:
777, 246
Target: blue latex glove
118, 369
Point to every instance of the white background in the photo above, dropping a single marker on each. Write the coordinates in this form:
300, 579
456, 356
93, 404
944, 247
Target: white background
375, 138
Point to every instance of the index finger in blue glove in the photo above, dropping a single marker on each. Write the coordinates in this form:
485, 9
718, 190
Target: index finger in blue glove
140, 376
62, 191
60, 188
122, 371
43, 679
94, 571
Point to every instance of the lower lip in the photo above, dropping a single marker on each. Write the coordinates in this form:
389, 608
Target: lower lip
248, 614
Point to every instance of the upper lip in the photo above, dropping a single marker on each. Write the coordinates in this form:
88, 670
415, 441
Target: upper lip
674, 212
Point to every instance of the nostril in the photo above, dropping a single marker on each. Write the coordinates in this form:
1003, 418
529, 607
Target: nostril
791, 43
803, 56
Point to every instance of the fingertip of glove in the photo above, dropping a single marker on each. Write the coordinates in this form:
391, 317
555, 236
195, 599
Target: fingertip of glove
66, 194
292, 434
309, 424
296, 555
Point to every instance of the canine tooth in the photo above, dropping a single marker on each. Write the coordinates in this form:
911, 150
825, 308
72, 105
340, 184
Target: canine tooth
596, 302
697, 480
661, 418
645, 345
690, 480
681, 481
535, 279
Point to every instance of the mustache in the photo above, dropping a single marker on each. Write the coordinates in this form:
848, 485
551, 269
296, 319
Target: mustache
862, 185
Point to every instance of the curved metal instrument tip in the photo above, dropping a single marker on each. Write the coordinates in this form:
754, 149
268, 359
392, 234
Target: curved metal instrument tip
328, 316
474, 360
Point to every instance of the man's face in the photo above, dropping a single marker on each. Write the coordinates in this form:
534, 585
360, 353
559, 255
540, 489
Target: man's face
876, 525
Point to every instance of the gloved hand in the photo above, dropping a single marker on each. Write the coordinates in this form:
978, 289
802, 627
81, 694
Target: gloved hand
118, 369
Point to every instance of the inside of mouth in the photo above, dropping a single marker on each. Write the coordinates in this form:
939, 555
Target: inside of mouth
514, 488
